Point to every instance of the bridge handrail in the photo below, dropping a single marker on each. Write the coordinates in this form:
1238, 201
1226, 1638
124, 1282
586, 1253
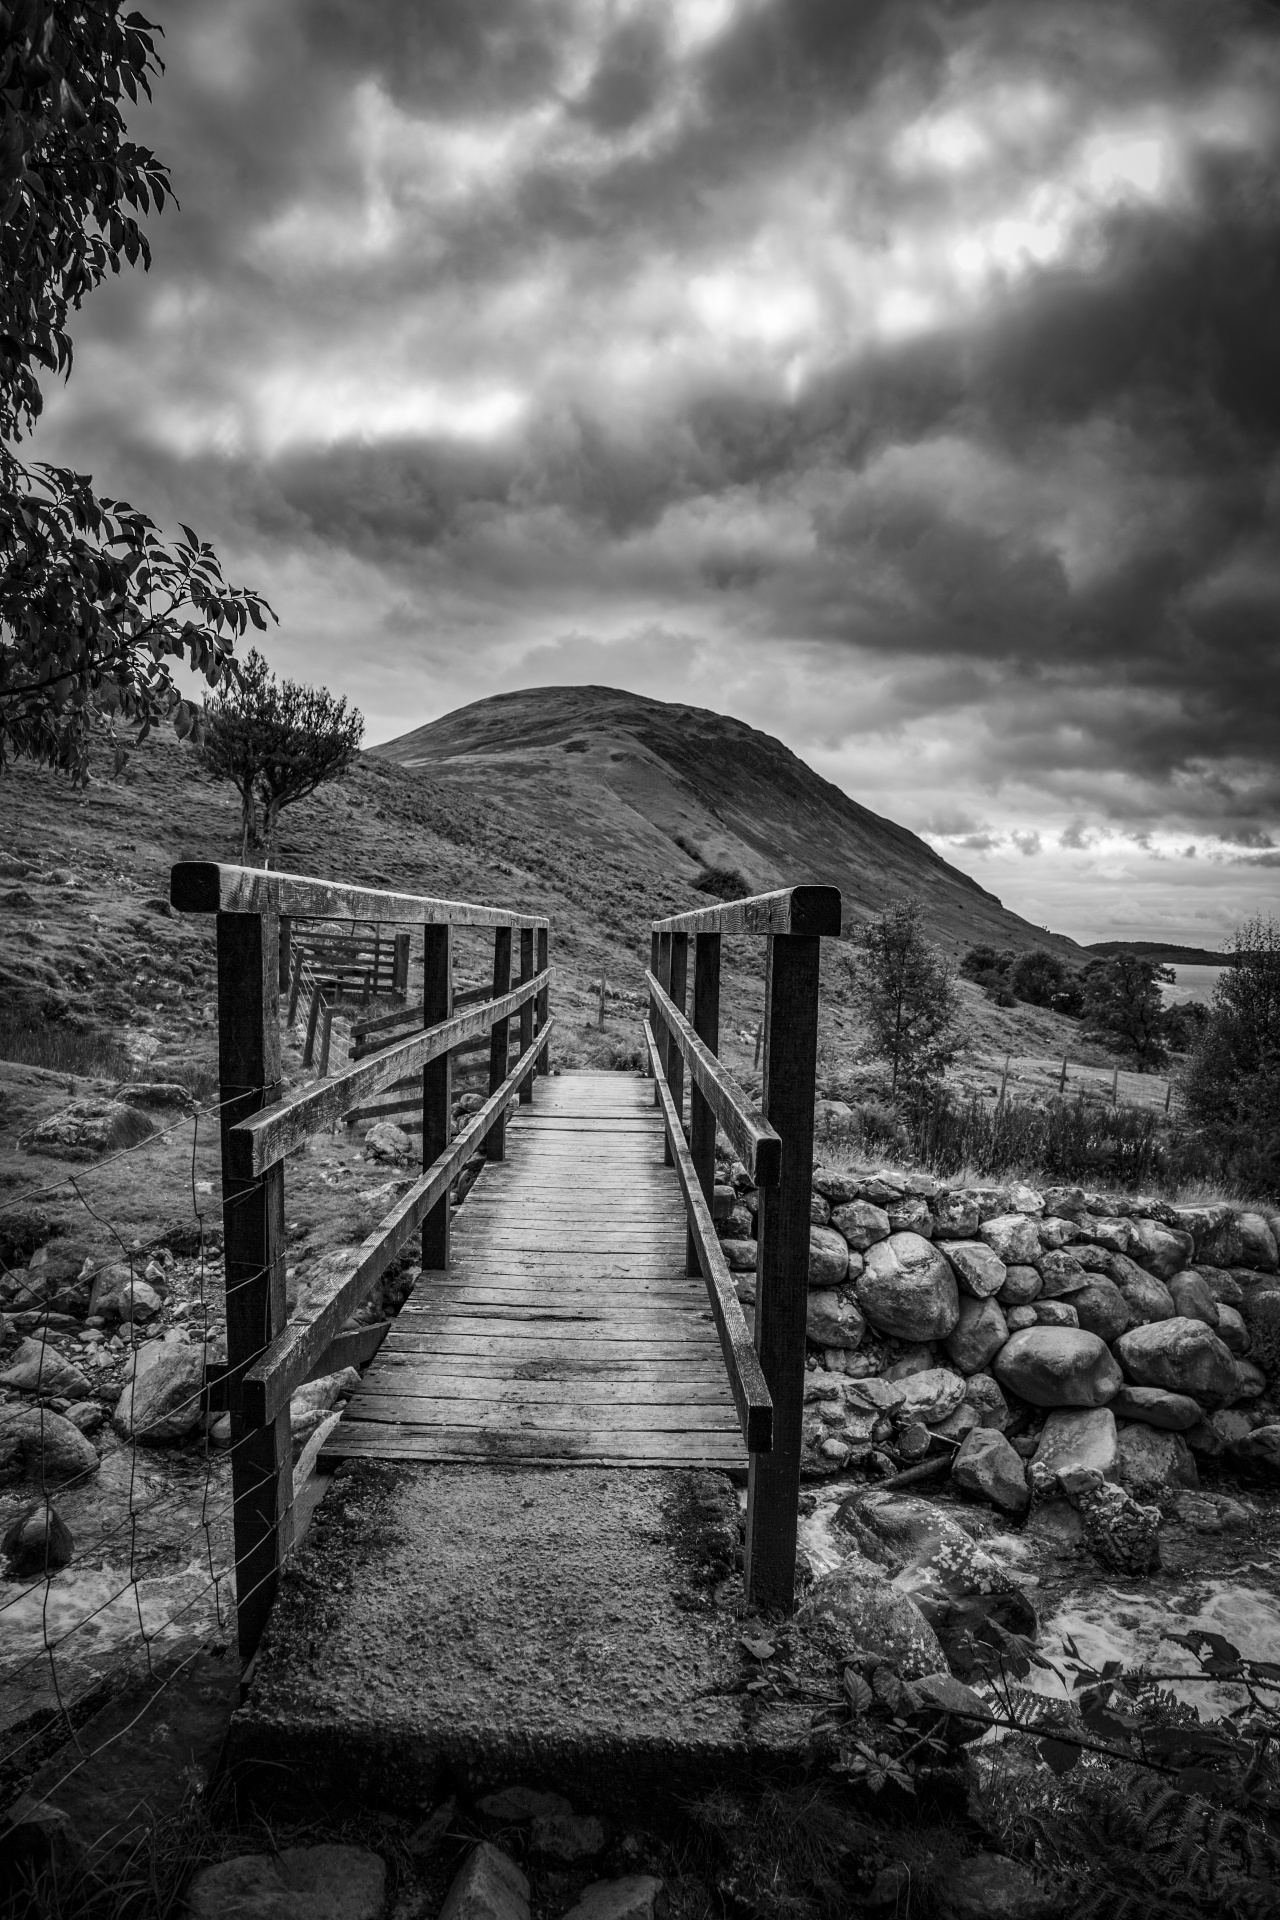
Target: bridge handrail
746, 1381
799, 910
206, 886
758, 1146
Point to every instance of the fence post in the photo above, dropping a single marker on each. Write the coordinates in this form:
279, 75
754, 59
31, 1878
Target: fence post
526, 1011
437, 1087
495, 1146
1062, 1079
326, 1034
400, 970
295, 988
544, 997
313, 1021
600, 1020
1115, 1086
254, 1253
782, 1263
663, 971
677, 988
655, 953
702, 1122
286, 936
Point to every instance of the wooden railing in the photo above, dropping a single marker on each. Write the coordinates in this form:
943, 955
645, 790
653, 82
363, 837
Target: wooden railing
776, 1147
270, 1355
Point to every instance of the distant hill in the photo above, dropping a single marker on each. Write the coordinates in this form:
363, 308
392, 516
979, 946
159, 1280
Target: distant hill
1168, 956
687, 794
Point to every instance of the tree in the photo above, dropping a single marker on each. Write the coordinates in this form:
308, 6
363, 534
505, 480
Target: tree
908, 996
1123, 1001
277, 741
1232, 1084
94, 607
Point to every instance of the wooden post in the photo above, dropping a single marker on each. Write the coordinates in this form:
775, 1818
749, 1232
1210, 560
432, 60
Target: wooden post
1004, 1081
1062, 1078
755, 1062
1115, 1086
295, 988
782, 1263
286, 935
544, 998
663, 971
526, 1011
254, 1252
1168, 1095
313, 1021
437, 1087
600, 1020
655, 945
677, 988
400, 969
702, 1122
326, 1033
495, 1146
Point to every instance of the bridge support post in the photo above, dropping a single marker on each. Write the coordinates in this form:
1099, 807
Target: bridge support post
437, 1086
702, 1122
254, 1249
526, 1011
677, 986
663, 971
496, 1145
782, 1264
544, 998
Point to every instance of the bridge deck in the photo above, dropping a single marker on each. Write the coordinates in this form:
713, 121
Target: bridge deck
566, 1330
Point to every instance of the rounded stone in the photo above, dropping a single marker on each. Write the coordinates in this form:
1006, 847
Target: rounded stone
986, 1464
1183, 1355
978, 1271
1154, 1462
1101, 1308
861, 1223
831, 1320
1076, 1440
1240, 1240
982, 1391
161, 1397
1146, 1297
1157, 1407
907, 1289
1021, 1286
1057, 1367
876, 1617
38, 1541
828, 1257
1061, 1273
1192, 1298
120, 1293
298, 1883
978, 1334
52, 1447
931, 1396
1232, 1331
1054, 1313
1016, 1318
1013, 1237
911, 1215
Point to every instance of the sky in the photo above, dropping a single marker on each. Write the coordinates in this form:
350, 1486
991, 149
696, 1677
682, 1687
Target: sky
902, 379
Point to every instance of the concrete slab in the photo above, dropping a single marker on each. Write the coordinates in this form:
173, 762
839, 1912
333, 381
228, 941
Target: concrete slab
464, 1627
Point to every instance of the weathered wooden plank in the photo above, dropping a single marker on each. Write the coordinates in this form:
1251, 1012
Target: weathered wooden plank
803, 910
756, 1142
355, 1438
746, 1381
269, 1136
286, 1363
564, 1367
540, 1346
200, 886
352, 1349
406, 1379
564, 1416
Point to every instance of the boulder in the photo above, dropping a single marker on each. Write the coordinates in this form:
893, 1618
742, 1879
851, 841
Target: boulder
956, 1584
1157, 1407
874, 1394
833, 1320
955, 1215
1232, 1331
1257, 1453
987, 1465
1183, 1355
1162, 1250
1251, 1381
636, 1896
37, 1542
978, 1334
1075, 1440
388, 1142
1056, 1233
1057, 1367
1116, 1234
1192, 1299
1123, 1532
1068, 1202
983, 1394
1146, 1297
912, 1359
1052, 1313
162, 1392
1240, 1240
740, 1255
861, 1223
330, 1882
874, 1618
968, 1716
488, 1886
1101, 1308
40, 1443
978, 1271
882, 1189
828, 1257
930, 1396
819, 1209
92, 1126
1013, 1238
38, 1367
1061, 1274
1260, 1311
1224, 1287
1016, 1318
1021, 1286
1153, 1462
957, 1426
120, 1293
907, 1289
837, 1189
911, 1215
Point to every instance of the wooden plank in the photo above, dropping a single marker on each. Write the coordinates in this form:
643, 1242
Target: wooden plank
540, 1346
756, 1142
564, 1416
790, 1065
269, 1136
272, 1379
746, 1381
352, 1349
354, 1439
800, 910
565, 1368
254, 1250
200, 886
387, 1378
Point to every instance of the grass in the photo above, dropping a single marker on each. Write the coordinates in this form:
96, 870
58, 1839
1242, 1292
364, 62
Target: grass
59, 1049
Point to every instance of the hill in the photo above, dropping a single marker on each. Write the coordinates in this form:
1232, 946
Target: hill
685, 793
1163, 952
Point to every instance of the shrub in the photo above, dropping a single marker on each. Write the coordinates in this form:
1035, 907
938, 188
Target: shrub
62, 1050
907, 995
723, 883
1232, 1086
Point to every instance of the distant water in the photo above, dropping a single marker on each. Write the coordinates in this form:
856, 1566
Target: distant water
1193, 983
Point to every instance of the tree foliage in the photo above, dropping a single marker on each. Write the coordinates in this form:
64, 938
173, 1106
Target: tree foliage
276, 741
1232, 1085
1122, 1000
95, 608
908, 996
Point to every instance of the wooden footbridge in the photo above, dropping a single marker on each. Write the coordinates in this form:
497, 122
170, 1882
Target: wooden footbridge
576, 1311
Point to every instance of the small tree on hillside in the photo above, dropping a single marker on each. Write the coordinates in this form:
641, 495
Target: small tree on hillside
1232, 1084
907, 993
277, 741
1122, 1000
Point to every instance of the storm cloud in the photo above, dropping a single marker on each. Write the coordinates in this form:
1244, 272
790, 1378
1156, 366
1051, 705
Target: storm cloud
902, 378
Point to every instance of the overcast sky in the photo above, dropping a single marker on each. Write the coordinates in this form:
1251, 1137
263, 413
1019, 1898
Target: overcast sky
902, 379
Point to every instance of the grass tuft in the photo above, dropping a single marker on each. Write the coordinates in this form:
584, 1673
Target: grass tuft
59, 1049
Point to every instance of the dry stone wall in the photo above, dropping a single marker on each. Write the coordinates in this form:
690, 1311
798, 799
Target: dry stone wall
1051, 1340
